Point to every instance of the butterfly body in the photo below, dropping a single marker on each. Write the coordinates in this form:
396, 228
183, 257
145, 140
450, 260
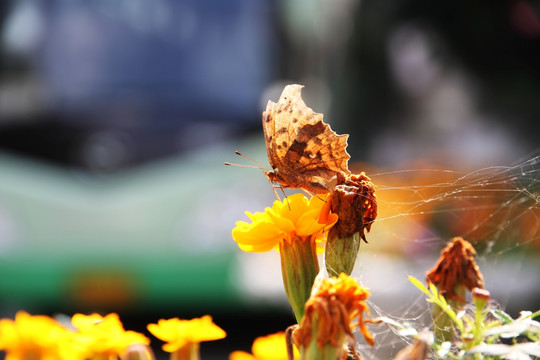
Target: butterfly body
302, 150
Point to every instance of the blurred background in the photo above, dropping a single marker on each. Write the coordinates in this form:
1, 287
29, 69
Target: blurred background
116, 118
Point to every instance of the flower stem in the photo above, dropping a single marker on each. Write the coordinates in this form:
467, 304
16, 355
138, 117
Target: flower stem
313, 351
188, 352
444, 326
299, 267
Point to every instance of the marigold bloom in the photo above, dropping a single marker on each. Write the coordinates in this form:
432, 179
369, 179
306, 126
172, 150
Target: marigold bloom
330, 312
269, 347
105, 337
180, 335
36, 337
294, 217
294, 227
456, 268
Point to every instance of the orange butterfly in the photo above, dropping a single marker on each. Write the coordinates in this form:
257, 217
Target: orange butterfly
302, 150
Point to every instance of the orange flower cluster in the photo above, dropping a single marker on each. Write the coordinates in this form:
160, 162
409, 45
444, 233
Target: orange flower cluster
96, 337
42, 337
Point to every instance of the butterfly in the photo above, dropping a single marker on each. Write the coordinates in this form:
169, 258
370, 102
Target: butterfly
303, 151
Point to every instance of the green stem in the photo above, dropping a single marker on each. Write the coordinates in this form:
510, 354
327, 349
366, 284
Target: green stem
444, 326
312, 351
327, 352
299, 267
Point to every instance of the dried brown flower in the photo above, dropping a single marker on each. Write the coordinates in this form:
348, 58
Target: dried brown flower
330, 312
354, 200
456, 267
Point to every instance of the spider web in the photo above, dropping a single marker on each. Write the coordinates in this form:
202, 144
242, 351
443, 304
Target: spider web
495, 208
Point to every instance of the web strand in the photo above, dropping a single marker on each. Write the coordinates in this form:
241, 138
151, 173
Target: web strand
496, 208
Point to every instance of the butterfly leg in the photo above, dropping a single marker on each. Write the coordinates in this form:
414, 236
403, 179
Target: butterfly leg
275, 192
313, 192
283, 192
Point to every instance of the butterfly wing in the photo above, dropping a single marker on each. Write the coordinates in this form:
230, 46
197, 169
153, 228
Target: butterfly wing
318, 153
268, 122
301, 148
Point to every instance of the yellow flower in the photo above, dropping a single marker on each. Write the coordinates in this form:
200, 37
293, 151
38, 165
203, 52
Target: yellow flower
105, 337
184, 336
296, 227
36, 337
294, 217
269, 347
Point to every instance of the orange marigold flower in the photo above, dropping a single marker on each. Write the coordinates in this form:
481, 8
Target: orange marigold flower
269, 347
37, 337
456, 268
105, 336
179, 334
294, 217
330, 312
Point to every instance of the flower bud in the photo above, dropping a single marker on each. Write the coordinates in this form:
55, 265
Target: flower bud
480, 298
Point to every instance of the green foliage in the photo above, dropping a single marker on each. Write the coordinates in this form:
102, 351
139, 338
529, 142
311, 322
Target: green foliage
483, 333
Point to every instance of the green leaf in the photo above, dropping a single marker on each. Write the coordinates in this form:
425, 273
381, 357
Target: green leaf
419, 285
502, 316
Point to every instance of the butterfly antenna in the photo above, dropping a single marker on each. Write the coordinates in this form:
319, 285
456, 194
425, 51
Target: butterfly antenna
247, 166
255, 161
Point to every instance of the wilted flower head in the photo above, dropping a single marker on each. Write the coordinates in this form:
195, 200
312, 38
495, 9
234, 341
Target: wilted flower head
294, 217
456, 267
354, 201
330, 312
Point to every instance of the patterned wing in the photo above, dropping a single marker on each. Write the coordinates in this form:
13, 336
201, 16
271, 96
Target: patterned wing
281, 122
268, 122
318, 151
314, 151
301, 148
